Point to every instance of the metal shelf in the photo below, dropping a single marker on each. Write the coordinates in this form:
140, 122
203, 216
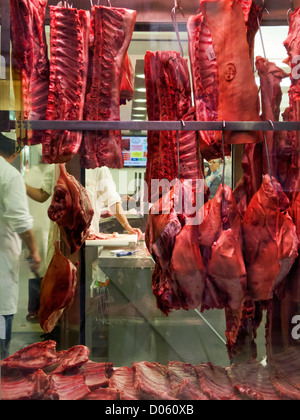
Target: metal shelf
157, 125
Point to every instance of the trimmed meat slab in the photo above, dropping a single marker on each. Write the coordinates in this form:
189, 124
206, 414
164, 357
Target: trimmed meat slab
112, 30
68, 77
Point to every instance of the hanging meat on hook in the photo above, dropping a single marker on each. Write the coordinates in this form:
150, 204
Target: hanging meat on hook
289, 147
112, 32
57, 290
69, 33
168, 93
270, 78
71, 209
220, 240
30, 64
270, 240
209, 88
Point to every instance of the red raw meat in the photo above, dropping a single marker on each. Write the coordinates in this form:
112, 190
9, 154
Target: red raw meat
187, 391
205, 74
57, 290
168, 94
112, 31
220, 241
187, 268
20, 386
285, 366
127, 83
33, 357
68, 386
289, 149
68, 77
238, 93
269, 238
151, 379
122, 381
165, 222
103, 394
294, 276
71, 209
74, 357
271, 93
30, 63
252, 380
184, 381
215, 382
97, 374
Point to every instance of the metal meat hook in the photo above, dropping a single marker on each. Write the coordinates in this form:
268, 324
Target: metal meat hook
177, 7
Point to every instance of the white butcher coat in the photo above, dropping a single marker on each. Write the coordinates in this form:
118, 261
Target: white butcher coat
15, 219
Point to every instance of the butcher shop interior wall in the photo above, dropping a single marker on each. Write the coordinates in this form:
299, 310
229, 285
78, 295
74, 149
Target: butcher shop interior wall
139, 295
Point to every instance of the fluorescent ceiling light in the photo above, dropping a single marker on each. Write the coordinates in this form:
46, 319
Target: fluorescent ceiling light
138, 115
140, 76
140, 100
140, 109
141, 90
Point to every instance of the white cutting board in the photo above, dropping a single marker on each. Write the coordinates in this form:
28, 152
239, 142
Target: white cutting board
120, 241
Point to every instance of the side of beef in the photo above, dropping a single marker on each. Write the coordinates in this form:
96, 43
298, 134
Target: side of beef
30, 64
68, 78
57, 290
112, 31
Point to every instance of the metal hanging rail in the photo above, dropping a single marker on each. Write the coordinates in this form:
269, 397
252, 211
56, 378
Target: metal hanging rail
158, 125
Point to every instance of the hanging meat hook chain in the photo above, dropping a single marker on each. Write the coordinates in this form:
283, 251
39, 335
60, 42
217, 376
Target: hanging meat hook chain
177, 7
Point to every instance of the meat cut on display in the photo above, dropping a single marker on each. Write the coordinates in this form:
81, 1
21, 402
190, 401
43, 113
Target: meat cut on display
112, 30
57, 290
39, 372
168, 93
71, 209
70, 30
30, 64
269, 235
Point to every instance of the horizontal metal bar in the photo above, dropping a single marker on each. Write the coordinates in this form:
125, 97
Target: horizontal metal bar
157, 125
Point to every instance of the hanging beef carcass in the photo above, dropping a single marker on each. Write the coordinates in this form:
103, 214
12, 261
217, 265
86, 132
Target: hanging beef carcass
30, 64
168, 92
206, 65
71, 209
69, 34
270, 240
57, 290
112, 33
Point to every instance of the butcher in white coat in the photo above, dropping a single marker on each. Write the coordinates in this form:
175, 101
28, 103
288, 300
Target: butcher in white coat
16, 225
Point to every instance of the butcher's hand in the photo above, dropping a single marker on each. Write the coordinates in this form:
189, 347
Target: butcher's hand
34, 261
134, 231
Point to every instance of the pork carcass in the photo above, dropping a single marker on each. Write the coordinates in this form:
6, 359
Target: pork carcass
270, 238
238, 94
57, 290
71, 209
112, 33
69, 34
30, 64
